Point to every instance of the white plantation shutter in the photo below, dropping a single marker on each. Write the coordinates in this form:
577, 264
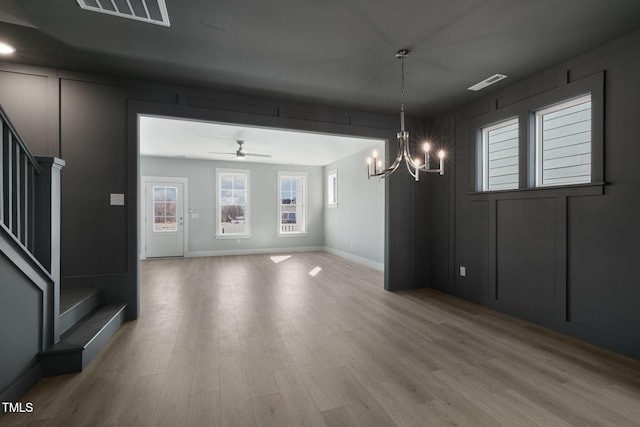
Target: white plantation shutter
500, 146
563, 141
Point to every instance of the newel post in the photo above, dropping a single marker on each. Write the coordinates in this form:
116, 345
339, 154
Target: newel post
47, 236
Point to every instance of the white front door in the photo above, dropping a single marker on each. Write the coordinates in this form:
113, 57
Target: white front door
164, 219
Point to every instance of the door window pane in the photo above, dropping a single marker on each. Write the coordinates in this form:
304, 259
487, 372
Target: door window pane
164, 209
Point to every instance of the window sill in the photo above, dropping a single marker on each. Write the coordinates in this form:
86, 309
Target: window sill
232, 236
591, 189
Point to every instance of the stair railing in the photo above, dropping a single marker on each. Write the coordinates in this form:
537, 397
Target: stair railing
30, 220
17, 186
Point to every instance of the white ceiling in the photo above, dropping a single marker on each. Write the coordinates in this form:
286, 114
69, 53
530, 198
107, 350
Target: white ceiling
169, 137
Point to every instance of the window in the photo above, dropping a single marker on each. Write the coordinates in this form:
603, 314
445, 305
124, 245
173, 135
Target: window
549, 140
232, 215
332, 188
500, 161
291, 196
164, 209
563, 143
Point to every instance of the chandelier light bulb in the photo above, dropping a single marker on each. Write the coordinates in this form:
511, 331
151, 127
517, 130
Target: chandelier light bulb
426, 146
375, 154
368, 160
441, 154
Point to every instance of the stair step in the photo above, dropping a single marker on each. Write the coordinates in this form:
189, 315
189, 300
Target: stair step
83, 341
76, 304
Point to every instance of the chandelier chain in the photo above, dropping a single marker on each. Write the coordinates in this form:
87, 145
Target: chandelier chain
402, 86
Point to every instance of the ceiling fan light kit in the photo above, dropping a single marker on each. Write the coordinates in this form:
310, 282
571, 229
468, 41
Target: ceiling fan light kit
241, 153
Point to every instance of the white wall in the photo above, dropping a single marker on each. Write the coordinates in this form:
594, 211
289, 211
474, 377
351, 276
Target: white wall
355, 228
263, 205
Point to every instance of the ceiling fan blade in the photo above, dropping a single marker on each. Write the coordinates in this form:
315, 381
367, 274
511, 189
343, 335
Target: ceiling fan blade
220, 152
257, 155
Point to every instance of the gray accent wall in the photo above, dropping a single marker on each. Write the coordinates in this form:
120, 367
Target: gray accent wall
562, 257
20, 324
355, 227
263, 198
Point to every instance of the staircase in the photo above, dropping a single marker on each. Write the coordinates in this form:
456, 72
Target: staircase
48, 330
86, 324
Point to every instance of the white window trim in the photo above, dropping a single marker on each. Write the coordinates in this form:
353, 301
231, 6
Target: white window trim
568, 103
304, 232
330, 204
485, 147
247, 233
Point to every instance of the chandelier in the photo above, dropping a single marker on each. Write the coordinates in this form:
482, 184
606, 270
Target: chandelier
415, 165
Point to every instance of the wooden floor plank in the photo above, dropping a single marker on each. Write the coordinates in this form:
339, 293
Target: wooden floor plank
363, 405
235, 395
340, 417
300, 406
243, 340
204, 410
270, 411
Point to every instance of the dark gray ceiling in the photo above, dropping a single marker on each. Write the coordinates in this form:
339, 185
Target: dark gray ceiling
333, 52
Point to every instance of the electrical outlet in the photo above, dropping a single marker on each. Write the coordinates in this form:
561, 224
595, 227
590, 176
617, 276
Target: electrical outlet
463, 271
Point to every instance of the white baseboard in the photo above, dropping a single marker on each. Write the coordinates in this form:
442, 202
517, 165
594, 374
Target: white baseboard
360, 260
355, 258
193, 254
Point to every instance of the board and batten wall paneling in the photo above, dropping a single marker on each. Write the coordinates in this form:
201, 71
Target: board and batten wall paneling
562, 257
525, 255
93, 133
29, 97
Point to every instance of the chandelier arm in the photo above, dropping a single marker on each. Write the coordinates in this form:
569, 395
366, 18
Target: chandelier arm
412, 170
392, 168
409, 158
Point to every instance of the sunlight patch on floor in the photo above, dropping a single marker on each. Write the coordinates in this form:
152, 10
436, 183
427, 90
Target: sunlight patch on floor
280, 258
315, 271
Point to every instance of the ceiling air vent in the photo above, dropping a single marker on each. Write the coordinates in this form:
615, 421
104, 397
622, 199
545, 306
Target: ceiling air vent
151, 11
487, 82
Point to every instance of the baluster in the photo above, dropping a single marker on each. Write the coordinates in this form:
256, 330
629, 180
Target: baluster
15, 189
24, 206
3, 170
31, 242
7, 174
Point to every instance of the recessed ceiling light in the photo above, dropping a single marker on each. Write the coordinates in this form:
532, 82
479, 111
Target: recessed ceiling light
487, 82
6, 49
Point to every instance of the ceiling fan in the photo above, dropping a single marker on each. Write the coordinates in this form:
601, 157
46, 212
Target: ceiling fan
241, 153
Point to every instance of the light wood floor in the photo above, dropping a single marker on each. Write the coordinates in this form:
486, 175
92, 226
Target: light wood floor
244, 341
